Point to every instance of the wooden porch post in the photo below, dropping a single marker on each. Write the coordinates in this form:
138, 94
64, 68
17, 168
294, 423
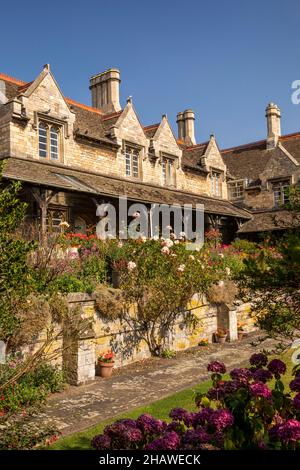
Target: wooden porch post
43, 199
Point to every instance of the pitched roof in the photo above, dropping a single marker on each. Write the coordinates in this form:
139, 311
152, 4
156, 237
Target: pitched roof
291, 142
264, 221
150, 131
191, 157
247, 161
74, 179
250, 160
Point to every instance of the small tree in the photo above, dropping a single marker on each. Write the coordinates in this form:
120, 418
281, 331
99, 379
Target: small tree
158, 280
274, 275
14, 271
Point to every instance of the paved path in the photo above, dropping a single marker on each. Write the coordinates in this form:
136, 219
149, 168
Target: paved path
138, 384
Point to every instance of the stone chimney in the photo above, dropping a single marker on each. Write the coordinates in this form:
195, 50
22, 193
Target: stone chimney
273, 123
105, 90
186, 126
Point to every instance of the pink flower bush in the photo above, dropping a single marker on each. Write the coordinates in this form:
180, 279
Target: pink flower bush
239, 413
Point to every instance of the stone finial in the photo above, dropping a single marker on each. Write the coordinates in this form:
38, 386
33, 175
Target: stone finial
273, 116
129, 99
46, 67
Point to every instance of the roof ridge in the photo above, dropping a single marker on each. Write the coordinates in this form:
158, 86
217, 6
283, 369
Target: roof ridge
111, 115
250, 144
192, 147
152, 126
83, 106
8, 78
289, 136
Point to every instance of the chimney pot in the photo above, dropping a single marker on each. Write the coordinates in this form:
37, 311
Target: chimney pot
189, 126
273, 116
105, 90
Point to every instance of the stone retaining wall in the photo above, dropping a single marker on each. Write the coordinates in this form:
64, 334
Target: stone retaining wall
128, 348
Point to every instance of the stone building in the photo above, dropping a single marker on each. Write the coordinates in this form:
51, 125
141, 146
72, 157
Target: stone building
70, 156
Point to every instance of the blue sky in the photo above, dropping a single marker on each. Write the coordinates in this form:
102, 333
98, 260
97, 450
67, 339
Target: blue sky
225, 59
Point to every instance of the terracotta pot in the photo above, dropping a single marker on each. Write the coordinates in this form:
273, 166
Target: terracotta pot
221, 339
104, 369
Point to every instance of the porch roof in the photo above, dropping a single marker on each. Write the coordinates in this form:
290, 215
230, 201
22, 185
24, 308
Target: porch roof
72, 179
265, 221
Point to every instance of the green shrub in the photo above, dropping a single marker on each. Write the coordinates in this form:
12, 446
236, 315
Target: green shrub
48, 376
22, 435
68, 283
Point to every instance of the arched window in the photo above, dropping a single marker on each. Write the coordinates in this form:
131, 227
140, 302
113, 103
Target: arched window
43, 140
54, 143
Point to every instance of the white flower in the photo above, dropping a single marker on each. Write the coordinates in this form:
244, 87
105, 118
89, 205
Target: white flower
64, 224
228, 271
169, 227
131, 265
173, 255
182, 234
165, 250
143, 238
176, 242
221, 255
172, 235
120, 244
221, 283
192, 257
181, 268
167, 242
155, 238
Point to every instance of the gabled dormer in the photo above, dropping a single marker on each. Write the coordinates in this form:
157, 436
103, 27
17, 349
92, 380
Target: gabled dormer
47, 120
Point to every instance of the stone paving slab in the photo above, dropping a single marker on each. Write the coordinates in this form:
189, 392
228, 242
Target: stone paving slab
142, 383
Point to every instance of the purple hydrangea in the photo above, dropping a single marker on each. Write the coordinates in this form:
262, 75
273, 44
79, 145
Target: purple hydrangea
295, 384
202, 417
179, 414
216, 367
262, 375
241, 375
134, 435
150, 425
259, 389
288, 431
224, 388
258, 360
170, 441
175, 426
277, 367
193, 437
221, 419
101, 442
296, 401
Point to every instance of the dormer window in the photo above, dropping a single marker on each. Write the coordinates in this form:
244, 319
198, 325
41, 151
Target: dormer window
280, 190
49, 141
236, 189
132, 157
215, 183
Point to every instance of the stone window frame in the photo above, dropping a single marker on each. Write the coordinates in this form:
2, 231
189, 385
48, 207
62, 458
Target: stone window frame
215, 172
236, 183
135, 150
168, 162
49, 123
279, 194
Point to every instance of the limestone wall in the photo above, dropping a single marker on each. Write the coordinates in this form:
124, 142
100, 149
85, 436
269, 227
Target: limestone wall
128, 346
